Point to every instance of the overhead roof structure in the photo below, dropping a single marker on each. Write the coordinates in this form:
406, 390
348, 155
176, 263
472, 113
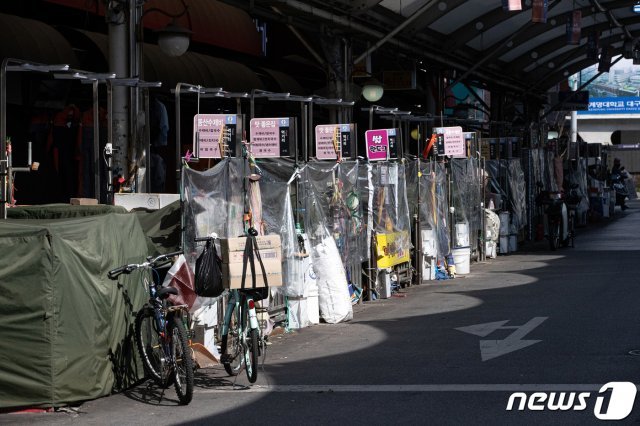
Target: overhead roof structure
478, 39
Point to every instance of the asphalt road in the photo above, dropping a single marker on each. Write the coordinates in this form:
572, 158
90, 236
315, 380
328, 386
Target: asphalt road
549, 325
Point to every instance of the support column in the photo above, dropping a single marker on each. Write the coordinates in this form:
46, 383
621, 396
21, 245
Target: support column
117, 20
573, 149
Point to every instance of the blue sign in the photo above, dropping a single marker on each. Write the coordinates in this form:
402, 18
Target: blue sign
613, 105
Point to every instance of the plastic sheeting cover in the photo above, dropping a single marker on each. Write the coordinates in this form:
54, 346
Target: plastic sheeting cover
507, 179
214, 201
334, 197
390, 208
433, 202
467, 195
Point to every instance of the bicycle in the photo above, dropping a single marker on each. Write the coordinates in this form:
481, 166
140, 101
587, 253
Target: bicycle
573, 200
160, 332
241, 340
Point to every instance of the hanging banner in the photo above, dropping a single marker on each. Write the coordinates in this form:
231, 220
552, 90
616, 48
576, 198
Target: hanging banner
453, 141
511, 5
539, 11
334, 141
215, 133
377, 142
574, 25
271, 137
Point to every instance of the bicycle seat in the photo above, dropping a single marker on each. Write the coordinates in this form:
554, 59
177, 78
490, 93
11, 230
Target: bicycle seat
165, 292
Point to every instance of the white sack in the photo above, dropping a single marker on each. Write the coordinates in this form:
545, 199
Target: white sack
333, 291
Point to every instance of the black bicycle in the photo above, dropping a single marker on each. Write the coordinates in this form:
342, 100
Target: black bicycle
161, 332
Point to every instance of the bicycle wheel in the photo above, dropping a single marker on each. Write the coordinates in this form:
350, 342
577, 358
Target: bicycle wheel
251, 346
149, 347
230, 345
183, 361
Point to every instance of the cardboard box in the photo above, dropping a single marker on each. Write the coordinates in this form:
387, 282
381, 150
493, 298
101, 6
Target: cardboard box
265, 254
232, 274
83, 202
149, 201
238, 243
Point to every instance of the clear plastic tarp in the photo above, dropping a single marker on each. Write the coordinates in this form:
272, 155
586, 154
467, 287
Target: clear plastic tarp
506, 178
215, 201
543, 167
578, 176
335, 196
435, 193
466, 197
390, 211
433, 203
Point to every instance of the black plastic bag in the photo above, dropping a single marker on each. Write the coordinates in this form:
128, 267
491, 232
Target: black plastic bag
209, 272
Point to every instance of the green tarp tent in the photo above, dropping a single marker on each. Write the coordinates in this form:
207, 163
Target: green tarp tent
67, 330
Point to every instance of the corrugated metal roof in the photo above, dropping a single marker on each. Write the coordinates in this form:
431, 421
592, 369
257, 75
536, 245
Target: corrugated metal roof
31, 40
211, 21
286, 82
192, 68
195, 68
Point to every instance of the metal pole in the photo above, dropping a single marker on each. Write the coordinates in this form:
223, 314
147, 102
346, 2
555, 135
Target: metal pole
574, 120
178, 142
96, 141
110, 142
3, 139
147, 143
419, 255
118, 61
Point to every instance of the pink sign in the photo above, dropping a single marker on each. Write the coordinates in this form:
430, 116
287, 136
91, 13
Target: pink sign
327, 140
377, 144
454, 144
212, 131
265, 136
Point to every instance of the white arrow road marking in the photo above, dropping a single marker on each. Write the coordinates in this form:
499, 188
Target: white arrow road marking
483, 330
490, 349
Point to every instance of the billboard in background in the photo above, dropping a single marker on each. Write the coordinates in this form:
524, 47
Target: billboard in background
613, 92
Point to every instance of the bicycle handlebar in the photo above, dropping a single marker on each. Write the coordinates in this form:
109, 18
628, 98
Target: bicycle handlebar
209, 237
151, 262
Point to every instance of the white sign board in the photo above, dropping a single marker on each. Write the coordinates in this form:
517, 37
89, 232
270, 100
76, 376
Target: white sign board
454, 144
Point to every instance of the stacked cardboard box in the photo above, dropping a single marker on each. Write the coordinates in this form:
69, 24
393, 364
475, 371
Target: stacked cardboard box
270, 250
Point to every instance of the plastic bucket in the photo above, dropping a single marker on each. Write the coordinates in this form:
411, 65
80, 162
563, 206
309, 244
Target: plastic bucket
462, 259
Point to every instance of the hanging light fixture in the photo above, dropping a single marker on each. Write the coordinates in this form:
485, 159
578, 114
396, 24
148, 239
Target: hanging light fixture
174, 39
372, 90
